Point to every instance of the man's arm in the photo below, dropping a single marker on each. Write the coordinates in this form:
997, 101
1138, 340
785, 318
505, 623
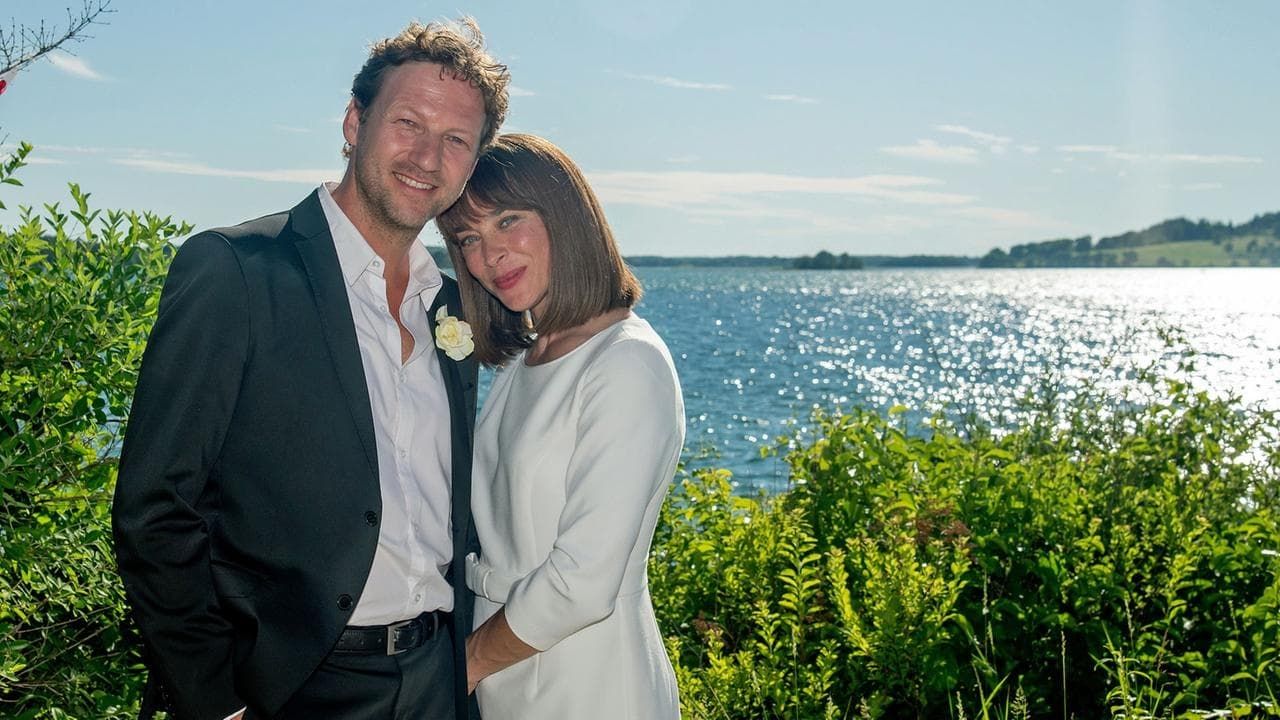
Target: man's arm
187, 388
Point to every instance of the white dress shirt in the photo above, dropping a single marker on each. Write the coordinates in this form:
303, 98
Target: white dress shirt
411, 425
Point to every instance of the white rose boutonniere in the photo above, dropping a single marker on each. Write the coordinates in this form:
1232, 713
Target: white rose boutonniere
453, 336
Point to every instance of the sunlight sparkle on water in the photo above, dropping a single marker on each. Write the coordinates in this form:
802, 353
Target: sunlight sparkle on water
767, 346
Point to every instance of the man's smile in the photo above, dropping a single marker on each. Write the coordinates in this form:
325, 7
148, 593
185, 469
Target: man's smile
415, 184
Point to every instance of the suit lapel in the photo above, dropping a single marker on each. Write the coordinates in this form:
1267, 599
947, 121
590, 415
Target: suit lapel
460, 384
315, 247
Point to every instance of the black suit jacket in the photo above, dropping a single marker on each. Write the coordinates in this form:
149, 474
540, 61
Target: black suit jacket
247, 509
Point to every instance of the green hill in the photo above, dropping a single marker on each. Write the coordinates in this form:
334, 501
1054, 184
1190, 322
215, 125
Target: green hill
1172, 243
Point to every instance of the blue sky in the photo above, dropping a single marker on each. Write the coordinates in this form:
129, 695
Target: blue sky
707, 128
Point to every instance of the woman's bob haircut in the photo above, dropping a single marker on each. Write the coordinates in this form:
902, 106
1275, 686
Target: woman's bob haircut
587, 275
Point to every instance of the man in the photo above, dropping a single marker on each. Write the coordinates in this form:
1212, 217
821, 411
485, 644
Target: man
292, 511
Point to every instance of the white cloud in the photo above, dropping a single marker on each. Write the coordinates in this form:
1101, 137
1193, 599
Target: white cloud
83, 149
73, 65
1002, 217
997, 144
49, 154
793, 222
515, 91
687, 189
1099, 149
1112, 152
301, 177
92, 150
931, 150
1206, 159
895, 224
7, 151
1029, 149
677, 83
33, 160
801, 99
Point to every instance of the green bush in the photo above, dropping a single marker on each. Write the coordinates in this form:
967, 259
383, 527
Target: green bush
1114, 557
78, 293
1110, 558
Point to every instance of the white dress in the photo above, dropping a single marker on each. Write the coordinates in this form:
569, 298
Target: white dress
573, 460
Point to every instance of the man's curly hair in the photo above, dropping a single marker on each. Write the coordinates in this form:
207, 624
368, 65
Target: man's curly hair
458, 48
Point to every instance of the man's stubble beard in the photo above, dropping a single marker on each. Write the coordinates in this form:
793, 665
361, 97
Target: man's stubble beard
379, 202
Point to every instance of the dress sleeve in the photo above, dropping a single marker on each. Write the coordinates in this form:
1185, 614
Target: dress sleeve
187, 388
629, 436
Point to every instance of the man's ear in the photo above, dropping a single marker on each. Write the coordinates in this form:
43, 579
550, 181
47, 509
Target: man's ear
351, 122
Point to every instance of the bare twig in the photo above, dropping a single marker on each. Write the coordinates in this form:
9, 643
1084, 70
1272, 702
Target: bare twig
21, 45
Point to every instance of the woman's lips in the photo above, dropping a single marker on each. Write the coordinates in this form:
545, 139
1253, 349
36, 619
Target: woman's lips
508, 280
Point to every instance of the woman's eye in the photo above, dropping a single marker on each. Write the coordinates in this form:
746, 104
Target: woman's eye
467, 241
507, 220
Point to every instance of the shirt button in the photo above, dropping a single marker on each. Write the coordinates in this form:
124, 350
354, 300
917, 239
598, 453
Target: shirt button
404, 453
417, 598
345, 602
370, 518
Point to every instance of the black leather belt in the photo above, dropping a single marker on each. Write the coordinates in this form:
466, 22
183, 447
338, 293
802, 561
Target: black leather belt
390, 639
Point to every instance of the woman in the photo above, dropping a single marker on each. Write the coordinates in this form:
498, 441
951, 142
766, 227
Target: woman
575, 447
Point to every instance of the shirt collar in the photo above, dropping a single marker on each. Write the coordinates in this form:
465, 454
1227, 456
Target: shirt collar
355, 257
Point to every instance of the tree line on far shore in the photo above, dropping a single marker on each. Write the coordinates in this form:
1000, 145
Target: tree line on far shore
1172, 243
827, 261
823, 260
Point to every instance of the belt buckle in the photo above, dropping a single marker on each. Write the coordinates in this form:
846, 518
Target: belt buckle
392, 629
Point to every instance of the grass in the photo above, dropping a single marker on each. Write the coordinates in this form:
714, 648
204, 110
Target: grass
1203, 253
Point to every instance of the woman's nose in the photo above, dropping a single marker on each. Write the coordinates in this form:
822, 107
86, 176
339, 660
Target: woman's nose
493, 249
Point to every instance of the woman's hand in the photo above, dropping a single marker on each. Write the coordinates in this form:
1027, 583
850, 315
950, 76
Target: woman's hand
493, 647
473, 678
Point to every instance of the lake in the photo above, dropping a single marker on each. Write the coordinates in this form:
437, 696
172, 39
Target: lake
758, 350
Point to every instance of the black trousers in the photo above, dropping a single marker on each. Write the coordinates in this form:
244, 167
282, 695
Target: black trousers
414, 685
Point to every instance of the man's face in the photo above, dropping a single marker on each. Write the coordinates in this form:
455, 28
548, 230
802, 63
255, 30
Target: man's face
415, 147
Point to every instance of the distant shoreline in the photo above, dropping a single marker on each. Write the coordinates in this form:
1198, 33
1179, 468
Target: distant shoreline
777, 262
890, 263
870, 262
1178, 242
1172, 244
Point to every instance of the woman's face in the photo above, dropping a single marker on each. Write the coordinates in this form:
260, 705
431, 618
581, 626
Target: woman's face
509, 253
